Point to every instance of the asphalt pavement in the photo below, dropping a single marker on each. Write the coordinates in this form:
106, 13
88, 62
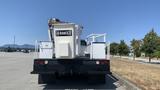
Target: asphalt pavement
15, 74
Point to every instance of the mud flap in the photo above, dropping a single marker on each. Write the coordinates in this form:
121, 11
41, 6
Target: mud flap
46, 79
96, 78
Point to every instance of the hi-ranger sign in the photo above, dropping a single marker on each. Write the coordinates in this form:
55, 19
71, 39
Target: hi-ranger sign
64, 33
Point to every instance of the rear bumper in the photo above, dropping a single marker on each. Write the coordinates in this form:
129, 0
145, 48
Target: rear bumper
77, 66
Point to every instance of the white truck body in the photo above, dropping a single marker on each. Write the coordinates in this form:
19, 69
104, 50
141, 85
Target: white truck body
96, 46
98, 51
65, 54
45, 49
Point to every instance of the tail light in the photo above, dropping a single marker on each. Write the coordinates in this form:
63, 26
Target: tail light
40, 62
102, 62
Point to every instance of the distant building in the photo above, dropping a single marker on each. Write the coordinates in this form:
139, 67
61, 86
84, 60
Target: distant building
143, 54
131, 54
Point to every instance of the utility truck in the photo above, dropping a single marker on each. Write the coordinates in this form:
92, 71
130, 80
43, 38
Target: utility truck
65, 54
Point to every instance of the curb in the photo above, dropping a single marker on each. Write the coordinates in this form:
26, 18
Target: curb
128, 84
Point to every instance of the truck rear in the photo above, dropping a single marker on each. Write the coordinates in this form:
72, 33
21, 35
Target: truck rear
65, 54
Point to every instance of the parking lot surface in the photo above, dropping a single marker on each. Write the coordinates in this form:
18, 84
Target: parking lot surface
15, 74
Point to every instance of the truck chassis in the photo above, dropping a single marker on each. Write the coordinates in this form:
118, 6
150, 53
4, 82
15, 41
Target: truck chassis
50, 70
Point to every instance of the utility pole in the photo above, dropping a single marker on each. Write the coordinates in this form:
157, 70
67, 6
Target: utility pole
14, 41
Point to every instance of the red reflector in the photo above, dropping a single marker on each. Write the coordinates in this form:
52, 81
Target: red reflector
104, 61
39, 62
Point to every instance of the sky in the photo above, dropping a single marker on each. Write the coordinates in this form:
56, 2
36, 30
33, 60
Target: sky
120, 19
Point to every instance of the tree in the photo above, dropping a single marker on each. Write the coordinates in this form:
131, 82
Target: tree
136, 44
157, 51
150, 43
114, 48
157, 54
123, 49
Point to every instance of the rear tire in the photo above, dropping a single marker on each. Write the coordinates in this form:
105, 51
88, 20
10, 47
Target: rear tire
46, 78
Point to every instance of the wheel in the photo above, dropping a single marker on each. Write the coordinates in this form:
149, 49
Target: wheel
96, 78
46, 78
